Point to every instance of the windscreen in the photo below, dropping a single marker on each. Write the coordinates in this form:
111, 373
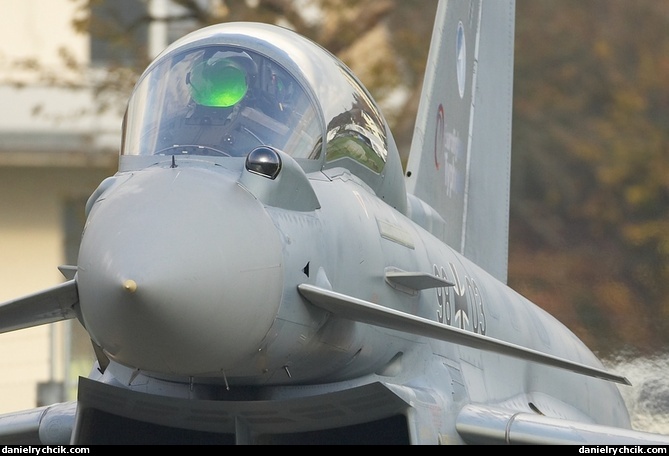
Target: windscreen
220, 101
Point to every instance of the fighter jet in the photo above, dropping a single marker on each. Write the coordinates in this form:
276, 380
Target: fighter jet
262, 270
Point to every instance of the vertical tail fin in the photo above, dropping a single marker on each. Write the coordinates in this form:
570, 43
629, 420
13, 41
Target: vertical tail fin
460, 158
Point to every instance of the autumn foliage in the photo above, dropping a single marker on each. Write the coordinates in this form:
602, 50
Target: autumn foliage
590, 195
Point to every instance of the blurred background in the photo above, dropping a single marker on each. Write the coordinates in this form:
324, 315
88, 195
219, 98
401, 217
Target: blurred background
589, 229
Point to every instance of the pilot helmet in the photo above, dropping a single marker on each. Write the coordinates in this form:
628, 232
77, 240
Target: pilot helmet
221, 80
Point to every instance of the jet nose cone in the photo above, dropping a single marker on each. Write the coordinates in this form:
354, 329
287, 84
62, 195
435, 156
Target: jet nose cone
180, 273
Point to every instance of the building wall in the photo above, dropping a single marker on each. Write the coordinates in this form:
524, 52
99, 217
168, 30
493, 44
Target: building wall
47, 164
32, 246
39, 29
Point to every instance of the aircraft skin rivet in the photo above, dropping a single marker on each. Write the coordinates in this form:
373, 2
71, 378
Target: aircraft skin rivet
130, 286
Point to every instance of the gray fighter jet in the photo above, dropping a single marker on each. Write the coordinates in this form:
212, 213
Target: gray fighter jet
261, 270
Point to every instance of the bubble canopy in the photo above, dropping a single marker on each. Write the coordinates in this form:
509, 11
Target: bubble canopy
229, 88
220, 101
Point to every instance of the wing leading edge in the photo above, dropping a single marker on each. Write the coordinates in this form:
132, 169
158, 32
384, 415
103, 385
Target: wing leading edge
48, 306
374, 314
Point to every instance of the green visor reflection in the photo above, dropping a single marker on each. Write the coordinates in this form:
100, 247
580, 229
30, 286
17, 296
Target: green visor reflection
220, 84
